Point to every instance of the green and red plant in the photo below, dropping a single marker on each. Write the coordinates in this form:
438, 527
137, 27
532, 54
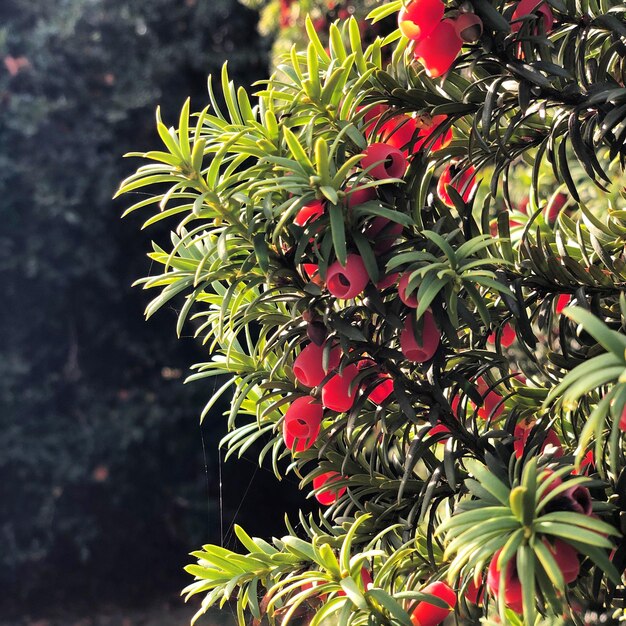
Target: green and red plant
372, 255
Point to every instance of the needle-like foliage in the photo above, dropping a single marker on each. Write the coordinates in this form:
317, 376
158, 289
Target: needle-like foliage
490, 271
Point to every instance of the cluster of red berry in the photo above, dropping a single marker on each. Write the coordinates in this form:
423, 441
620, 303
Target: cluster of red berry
555, 495
319, 363
437, 41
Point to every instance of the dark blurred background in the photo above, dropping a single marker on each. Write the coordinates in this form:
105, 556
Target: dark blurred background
107, 480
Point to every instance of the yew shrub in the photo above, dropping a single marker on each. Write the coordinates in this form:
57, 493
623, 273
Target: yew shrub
407, 258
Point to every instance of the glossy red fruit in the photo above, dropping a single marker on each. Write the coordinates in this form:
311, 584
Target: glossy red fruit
507, 337
338, 394
331, 494
464, 182
383, 161
439, 50
622, 421
492, 406
426, 348
566, 558
349, 280
409, 300
357, 197
387, 281
308, 367
430, 128
383, 232
427, 614
513, 586
526, 8
456, 407
562, 301
522, 433
438, 429
587, 463
366, 579
474, 592
469, 27
399, 132
384, 383
555, 205
371, 117
312, 271
301, 424
309, 213
382, 390
580, 499
419, 18
285, 18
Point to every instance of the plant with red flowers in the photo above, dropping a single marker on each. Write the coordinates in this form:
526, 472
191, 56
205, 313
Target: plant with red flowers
413, 275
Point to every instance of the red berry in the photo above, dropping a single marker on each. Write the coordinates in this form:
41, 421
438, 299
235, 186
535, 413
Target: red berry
309, 213
301, 424
580, 499
463, 182
384, 161
492, 405
429, 129
566, 558
371, 117
349, 280
551, 482
427, 614
338, 394
419, 18
425, 350
330, 495
474, 592
469, 27
562, 301
366, 579
555, 205
587, 462
507, 337
409, 300
384, 383
439, 428
439, 50
399, 132
308, 367
513, 586
522, 433
382, 390
312, 271
526, 8
357, 197
387, 281
383, 232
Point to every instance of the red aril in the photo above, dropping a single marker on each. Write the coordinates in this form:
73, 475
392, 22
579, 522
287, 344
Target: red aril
427, 614
349, 280
420, 352
439, 50
331, 494
308, 366
338, 394
383, 161
419, 18
301, 424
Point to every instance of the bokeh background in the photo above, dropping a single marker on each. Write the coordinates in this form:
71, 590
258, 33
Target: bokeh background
107, 479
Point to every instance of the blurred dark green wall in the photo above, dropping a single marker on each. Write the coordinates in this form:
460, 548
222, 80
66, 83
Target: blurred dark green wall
103, 487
